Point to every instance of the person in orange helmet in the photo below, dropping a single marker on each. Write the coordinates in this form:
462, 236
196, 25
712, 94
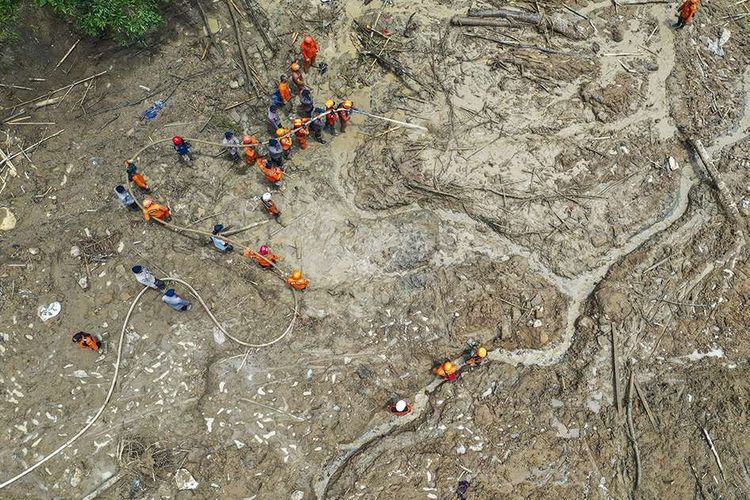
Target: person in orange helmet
344, 112
448, 370
330, 117
263, 257
297, 77
686, 12
285, 139
151, 209
87, 341
273, 174
309, 50
251, 153
477, 356
301, 132
136, 177
297, 281
284, 91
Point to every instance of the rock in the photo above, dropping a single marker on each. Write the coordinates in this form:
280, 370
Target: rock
80, 374
219, 336
49, 311
213, 25
298, 495
234, 84
537, 323
461, 449
75, 251
586, 323
7, 219
34, 251
505, 328
185, 480
617, 34
650, 65
75, 479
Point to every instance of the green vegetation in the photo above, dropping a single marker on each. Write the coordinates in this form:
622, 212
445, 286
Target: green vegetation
126, 21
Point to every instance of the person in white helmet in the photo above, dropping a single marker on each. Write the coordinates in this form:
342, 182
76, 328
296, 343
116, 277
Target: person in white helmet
270, 206
400, 409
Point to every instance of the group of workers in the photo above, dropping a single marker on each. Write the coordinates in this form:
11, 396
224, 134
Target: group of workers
474, 355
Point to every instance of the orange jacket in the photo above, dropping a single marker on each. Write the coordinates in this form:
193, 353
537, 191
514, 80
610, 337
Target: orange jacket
271, 208
688, 10
156, 211
286, 94
89, 342
297, 284
309, 51
251, 154
301, 135
272, 174
286, 142
262, 260
140, 181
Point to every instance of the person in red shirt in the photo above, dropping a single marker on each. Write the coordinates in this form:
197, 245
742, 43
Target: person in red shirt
344, 112
309, 50
330, 117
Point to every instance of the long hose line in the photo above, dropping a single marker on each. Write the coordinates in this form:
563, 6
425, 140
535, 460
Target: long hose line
120, 344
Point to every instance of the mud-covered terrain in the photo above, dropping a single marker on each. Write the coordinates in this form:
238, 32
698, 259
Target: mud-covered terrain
556, 210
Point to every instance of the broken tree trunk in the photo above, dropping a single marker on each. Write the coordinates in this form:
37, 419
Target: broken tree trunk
473, 21
556, 22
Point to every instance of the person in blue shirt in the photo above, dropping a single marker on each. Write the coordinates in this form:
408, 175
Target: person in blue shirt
274, 120
125, 198
276, 153
316, 125
219, 242
306, 102
183, 149
176, 302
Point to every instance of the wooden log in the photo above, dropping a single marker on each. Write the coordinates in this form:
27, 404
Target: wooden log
472, 21
556, 22
250, 75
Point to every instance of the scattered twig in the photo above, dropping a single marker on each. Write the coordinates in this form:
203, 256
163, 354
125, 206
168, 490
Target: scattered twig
66, 55
60, 89
631, 432
7, 159
713, 450
615, 371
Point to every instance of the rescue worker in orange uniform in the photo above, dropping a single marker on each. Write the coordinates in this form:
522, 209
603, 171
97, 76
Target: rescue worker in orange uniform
330, 117
86, 340
155, 210
686, 12
301, 132
297, 281
448, 371
401, 408
263, 257
284, 90
297, 77
135, 177
272, 174
344, 112
286, 141
270, 206
251, 154
309, 50
477, 356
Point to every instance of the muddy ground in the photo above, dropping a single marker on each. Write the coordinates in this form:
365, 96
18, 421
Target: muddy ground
538, 216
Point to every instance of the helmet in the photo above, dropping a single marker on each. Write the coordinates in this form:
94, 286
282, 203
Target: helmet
280, 132
119, 189
264, 250
266, 197
447, 366
296, 274
308, 39
482, 352
169, 293
295, 66
218, 228
228, 134
400, 405
148, 202
297, 122
177, 140
137, 269
329, 103
347, 104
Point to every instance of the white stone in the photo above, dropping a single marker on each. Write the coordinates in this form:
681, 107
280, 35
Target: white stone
185, 480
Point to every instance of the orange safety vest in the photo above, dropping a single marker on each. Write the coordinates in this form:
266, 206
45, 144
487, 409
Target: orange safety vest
309, 51
286, 142
688, 10
299, 284
140, 181
344, 115
286, 94
272, 208
156, 211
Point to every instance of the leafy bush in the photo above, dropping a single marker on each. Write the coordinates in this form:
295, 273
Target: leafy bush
126, 21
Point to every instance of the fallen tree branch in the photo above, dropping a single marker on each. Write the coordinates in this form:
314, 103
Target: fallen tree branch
250, 75
713, 450
556, 22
